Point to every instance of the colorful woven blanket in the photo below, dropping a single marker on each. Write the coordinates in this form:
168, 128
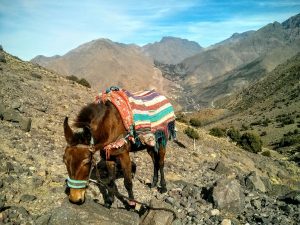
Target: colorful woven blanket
142, 112
151, 111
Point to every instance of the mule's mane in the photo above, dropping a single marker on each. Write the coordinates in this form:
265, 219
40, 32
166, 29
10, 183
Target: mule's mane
87, 113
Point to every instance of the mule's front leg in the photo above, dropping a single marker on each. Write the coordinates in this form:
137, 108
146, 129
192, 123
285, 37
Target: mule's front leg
126, 168
111, 169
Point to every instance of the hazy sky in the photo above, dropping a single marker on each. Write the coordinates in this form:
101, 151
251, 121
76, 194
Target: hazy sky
36, 27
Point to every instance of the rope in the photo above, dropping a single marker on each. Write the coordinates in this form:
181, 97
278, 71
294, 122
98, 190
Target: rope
117, 193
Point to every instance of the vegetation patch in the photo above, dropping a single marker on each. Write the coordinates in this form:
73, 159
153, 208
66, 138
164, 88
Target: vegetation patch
195, 122
251, 142
234, 134
81, 81
191, 132
217, 132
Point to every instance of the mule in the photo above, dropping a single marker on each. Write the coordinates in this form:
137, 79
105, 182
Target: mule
103, 124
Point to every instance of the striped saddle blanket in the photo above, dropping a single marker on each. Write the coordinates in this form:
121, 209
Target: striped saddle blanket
142, 112
151, 111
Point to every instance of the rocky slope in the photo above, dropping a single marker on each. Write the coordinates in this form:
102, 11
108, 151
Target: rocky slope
103, 63
270, 107
171, 50
258, 189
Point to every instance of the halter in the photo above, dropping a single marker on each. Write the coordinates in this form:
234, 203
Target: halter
79, 184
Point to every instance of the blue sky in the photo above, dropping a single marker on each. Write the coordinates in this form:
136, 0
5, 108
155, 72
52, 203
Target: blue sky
35, 27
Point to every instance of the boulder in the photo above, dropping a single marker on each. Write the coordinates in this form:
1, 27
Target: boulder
11, 115
292, 197
88, 213
254, 182
228, 194
158, 217
25, 124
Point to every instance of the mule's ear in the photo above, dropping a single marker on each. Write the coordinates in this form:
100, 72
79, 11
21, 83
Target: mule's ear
68, 131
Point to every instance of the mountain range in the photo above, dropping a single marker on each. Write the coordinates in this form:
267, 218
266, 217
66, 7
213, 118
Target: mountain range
192, 76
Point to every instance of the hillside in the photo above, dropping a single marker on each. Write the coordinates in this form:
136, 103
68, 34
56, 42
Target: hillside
270, 108
171, 50
33, 174
220, 70
104, 63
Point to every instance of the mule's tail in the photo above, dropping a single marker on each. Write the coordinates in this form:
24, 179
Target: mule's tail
173, 134
172, 130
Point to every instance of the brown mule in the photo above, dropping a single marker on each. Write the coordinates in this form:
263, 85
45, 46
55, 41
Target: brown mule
103, 123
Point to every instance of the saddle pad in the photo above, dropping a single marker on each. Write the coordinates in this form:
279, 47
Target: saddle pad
151, 111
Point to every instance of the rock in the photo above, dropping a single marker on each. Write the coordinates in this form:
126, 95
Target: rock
215, 212
2, 57
176, 222
36, 75
1, 184
226, 222
16, 105
2, 110
256, 203
2, 201
227, 194
43, 220
292, 197
90, 213
27, 198
158, 217
222, 168
9, 167
25, 124
254, 182
1, 48
11, 115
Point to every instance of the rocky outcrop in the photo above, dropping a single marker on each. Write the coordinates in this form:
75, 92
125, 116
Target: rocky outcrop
228, 194
88, 214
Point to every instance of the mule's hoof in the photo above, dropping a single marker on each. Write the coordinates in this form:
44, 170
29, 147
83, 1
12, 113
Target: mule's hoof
132, 204
152, 185
163, 190
107, 205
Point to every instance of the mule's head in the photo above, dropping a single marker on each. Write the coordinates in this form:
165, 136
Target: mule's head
78, 160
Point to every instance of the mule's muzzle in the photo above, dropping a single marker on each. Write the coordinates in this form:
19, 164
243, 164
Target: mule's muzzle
77, 196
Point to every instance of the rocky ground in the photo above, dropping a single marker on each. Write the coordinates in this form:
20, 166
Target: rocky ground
214, 182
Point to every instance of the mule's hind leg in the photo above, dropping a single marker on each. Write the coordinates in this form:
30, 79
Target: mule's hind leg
155, 160
162, 152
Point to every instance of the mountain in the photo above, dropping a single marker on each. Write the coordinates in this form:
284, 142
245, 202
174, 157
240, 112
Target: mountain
104, 63
171, 50
222, 69
210, 177
236, 37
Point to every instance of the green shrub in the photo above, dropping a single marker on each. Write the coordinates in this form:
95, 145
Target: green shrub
264, 133
217, 132
81, 81
181, 117
245, 127
234, 134
266, 153
191, 132
84, 82
195, 122
251, 142
72, 77
289, 140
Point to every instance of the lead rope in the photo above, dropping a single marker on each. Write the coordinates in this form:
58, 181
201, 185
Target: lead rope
117, 193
